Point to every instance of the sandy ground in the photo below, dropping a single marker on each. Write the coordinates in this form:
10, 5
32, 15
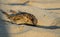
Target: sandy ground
45, 18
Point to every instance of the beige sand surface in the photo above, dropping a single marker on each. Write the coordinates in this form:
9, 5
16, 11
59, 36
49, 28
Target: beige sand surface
45, 18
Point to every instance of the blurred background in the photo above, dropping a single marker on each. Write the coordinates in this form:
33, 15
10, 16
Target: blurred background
47, 13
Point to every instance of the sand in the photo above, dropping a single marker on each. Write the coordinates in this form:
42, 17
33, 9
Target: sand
38, 9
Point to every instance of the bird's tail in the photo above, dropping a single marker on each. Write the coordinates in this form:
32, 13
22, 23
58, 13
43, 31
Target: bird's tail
4, 12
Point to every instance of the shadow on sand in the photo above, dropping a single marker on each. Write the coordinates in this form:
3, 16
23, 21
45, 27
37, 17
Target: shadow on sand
44, 27
3, 30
